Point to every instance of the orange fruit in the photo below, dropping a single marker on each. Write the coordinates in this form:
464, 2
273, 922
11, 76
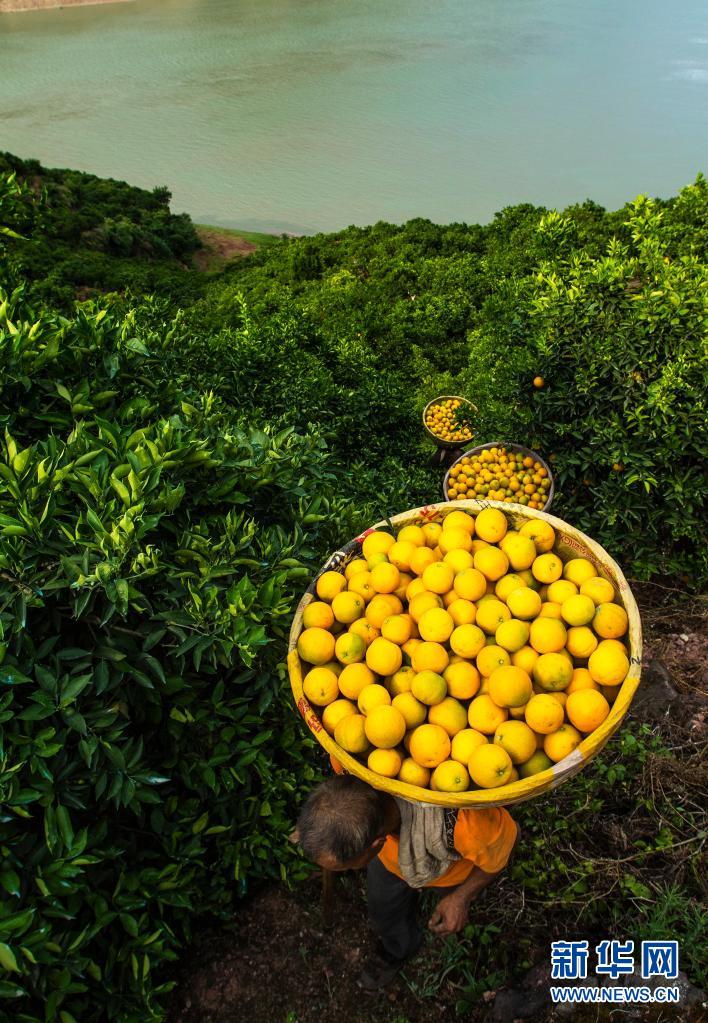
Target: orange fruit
470, 584
581, 642
512, 635
413, 774
436, 625
429, 687
560, 743
600, 590
490, 658
541, 532
381, 607
543, 714
484, 715
579, 570
608, 665
316, 646
450, 776
462, 680
335, 711
582, 679
385, 577
524, 603
491, 562
384, 727
429, 745
587, 709
318, 615
525, 658
384, 657
535, 764
320, 686
517, 739
547, 568
462, 612
491, 525
578, 610
553, 671
439, 577
371, 696
353, 679
547, 635
429, 657
329, 585
510, 686
350, 734
412, 709
386, 762
610, 621
376, 542
490, 614
490, 766
349, 648
449, 714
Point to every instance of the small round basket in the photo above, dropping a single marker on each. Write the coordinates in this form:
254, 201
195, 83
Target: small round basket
527, 452
570, 543
446, 397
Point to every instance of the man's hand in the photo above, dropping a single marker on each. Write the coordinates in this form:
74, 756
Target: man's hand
450, 915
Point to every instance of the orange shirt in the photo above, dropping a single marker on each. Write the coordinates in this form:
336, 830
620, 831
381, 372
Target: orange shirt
483, 838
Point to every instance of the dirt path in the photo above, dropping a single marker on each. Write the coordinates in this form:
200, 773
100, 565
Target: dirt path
219, 248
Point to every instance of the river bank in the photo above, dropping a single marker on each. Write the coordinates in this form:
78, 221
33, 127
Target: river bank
15, 6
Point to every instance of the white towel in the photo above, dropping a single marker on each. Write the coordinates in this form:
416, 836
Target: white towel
424, 854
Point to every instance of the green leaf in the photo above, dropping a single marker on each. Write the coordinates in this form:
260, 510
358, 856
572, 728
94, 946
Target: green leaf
7, 958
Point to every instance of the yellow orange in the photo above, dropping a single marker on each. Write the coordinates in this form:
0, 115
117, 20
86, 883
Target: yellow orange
385, 726
353, 679
549, 609
450, 776
470, 584
381, 607
420, 559
316, 646
560, 591
454, 539
413, 774
376, 542
459, 560
517, 739
460, 520
467, 641
508, 584
560, 743
429, 745
520, 550
349, 648
401, 554
439, 577
318, 615
608, 665
386, 762
512, 635
462, 680
432, 531
578, 610
397, 628
582, 679
449, 714
421, 603
335, 711
491, 562
361, 584
541, 532
524, 603
490, 658
429, 657
543, 714
600, 590
547, 635
484, 715
411, 534
510, 686
491, 525
412, 709
553, 671
384, 657
535, 764
350, 734
462, 612
547, 568
489, 766
355, 567
436, 625
525, 658
490, 614
579, 570
371, 696
320, 686
329, 585
610, 621
581, 641
429, 687
385, 577
464, 742
364, 629
587, 709
400, 681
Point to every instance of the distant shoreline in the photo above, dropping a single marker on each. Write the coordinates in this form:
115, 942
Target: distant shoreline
15, 6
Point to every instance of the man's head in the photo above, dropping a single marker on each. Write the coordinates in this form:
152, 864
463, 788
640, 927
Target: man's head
342, 824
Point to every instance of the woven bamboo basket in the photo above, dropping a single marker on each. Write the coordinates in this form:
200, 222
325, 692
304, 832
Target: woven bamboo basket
511, 447
570, 542
447, 397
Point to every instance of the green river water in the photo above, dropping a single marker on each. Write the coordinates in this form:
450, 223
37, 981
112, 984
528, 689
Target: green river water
309, 115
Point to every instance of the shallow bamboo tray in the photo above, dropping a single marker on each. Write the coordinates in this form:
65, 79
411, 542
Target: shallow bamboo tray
511, 447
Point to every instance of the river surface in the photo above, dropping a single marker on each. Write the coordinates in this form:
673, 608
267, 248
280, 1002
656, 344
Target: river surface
309, 115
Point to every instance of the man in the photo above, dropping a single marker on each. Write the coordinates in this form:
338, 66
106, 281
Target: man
347, 825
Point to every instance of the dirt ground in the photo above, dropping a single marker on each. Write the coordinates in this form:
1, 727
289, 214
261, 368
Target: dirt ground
279, 964
219, 248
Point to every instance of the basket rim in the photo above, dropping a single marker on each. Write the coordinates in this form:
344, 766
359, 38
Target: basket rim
445, 397
524, 788
514, 446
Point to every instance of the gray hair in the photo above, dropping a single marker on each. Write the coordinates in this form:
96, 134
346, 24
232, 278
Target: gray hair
341, 818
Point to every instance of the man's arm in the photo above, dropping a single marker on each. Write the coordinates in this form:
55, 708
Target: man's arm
450, 914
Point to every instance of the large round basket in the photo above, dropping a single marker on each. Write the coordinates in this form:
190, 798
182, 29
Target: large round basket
526, 452
446, 397
570, 543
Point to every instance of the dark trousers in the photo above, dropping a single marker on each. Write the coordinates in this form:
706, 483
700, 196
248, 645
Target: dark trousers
392, 906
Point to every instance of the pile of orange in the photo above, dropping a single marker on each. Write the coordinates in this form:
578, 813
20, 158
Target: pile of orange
500, 475
447, 420
463, 654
